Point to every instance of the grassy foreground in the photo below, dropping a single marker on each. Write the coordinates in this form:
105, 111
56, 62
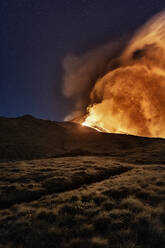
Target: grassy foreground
82, 201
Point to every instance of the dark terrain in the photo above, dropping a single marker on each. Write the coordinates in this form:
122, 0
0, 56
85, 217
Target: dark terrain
67, 186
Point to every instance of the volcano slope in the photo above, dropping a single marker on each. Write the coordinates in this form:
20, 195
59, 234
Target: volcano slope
63, 185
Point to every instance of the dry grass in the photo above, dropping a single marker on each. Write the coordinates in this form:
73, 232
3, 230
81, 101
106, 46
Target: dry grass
96, 190
64, 203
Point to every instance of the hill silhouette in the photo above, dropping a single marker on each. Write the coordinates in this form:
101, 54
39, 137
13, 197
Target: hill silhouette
27, 137
63, 185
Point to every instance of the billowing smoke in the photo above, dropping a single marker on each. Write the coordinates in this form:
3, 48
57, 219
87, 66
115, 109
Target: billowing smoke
130, 96
81, 73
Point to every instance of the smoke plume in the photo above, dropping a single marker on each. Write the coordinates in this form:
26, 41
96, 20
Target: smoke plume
81, 73
128, 93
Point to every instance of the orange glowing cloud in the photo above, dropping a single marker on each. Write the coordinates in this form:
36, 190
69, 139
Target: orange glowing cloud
130, 97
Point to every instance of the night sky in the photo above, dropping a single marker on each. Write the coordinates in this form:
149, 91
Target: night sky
36, 35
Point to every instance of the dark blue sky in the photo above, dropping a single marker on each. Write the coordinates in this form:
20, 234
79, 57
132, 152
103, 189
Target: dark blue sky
35, 36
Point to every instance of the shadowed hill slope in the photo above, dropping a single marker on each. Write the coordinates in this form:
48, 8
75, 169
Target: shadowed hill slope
112, 196
27, 137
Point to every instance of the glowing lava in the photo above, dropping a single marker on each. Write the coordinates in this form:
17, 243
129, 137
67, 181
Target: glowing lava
94, 126
131, 98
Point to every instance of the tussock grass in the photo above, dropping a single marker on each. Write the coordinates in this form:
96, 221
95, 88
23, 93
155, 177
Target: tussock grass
123, 210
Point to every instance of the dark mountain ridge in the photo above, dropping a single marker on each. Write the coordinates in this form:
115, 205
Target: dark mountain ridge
27, 137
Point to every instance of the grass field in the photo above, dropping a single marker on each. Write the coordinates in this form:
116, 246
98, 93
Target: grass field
67, 186
82, 201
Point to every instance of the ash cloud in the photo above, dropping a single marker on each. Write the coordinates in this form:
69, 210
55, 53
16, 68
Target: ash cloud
122, 89
81, 73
